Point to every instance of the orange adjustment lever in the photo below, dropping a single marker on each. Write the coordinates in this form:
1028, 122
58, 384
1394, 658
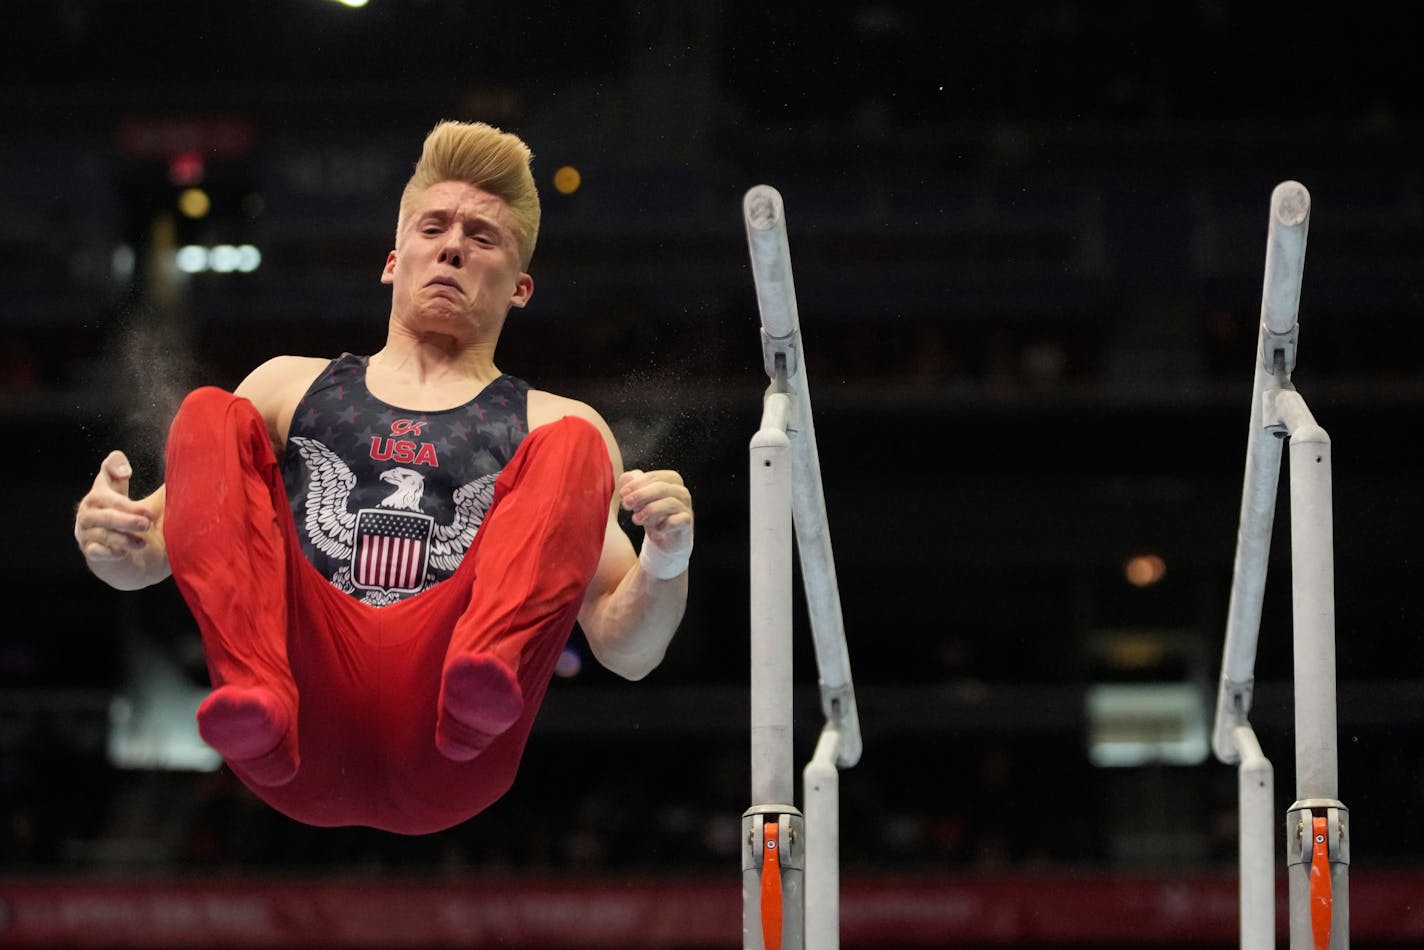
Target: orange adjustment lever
771, 886
1321, 898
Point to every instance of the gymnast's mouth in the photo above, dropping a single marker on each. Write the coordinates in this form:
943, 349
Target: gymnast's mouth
444, 282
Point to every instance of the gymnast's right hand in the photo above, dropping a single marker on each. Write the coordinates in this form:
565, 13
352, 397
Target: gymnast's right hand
121, 538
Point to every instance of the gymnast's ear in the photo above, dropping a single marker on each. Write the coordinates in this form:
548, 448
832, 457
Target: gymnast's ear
523, 288
388, 273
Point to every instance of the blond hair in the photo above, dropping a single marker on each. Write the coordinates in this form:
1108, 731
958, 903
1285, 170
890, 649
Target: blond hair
488, 158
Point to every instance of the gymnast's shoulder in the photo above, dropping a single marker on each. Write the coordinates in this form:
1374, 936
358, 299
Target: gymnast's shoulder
280, 374
276, 387
546, 407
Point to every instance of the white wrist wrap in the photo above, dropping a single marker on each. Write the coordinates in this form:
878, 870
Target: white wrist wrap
661, 564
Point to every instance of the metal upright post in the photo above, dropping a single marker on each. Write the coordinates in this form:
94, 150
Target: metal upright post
779, 855
1256, 791
1317, 839
1317, 825
772, 826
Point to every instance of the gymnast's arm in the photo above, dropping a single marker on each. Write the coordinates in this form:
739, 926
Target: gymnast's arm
121, 538
629, 615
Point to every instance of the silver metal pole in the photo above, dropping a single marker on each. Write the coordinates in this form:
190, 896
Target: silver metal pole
788, 504
1317, 824
1313, 600
1285, 258
771, 616
765, 216
821, 780
1248, 584
773, 775
1286, 231
782, 354
1256, 791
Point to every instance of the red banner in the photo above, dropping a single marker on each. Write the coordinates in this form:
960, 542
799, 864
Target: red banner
163, 137
1052, 910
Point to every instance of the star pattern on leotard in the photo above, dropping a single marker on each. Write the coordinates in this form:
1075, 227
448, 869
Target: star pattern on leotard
464, 444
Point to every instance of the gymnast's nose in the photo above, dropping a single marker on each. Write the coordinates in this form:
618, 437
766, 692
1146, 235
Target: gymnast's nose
450, 250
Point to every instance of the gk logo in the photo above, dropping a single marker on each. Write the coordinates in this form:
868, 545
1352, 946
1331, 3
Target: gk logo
407, 427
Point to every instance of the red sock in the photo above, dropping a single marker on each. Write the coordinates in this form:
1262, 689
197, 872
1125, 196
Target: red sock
251, 728
479, 700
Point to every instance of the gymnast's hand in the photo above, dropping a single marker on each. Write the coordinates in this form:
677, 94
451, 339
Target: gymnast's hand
661, 504
118, 536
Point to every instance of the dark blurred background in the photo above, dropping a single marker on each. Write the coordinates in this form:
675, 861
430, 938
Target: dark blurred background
1028, 241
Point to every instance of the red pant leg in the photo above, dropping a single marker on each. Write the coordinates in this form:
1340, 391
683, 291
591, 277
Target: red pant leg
225, 503
532, 559
539, 545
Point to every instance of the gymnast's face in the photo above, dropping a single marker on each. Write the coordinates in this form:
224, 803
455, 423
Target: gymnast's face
456, 262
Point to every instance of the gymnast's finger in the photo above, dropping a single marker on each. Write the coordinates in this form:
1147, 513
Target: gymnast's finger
664, 512
625, 484
115, 472
637, 489
104, 528
97, 516
102, 544
111, 490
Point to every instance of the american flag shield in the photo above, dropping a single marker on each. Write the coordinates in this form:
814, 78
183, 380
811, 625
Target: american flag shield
391, 550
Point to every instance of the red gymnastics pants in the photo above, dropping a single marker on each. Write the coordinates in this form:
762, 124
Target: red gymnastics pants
327, 707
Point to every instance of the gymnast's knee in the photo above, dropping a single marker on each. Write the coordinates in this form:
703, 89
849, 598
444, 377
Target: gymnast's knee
578, 430
210, 418
206, 400
578, 437
209, 407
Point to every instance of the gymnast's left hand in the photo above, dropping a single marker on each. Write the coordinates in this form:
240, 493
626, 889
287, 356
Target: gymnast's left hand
661, 504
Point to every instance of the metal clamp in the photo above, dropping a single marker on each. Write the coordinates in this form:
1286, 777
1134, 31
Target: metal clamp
1300, 831
790, 836
1278, 351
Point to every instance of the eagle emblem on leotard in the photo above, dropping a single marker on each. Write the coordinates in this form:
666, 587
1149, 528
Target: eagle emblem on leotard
388, 551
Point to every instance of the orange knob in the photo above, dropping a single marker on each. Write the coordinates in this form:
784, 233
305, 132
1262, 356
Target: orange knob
771, 886
1321, 898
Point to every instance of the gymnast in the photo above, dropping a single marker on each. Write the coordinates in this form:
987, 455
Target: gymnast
386, 554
